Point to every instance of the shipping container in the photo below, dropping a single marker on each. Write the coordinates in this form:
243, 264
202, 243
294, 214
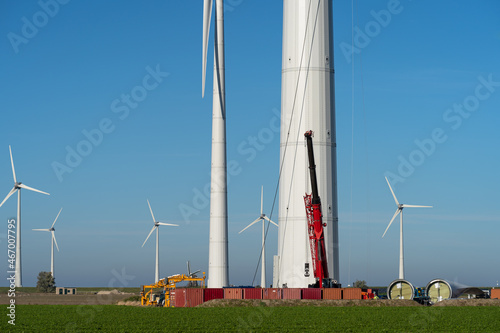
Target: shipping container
212, 293
495, 293
271, 293
291, 293
233, 293
332, 293
311, 293
179, 299
252, 293
193, 297
351, 293
172, 297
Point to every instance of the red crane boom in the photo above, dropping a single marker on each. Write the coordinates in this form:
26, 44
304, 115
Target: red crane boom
315, 220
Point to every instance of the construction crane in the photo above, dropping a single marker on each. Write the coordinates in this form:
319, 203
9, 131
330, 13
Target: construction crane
315, 220
168, 284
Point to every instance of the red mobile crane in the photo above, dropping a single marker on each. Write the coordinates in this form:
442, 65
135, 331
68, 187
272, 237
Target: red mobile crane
315, 220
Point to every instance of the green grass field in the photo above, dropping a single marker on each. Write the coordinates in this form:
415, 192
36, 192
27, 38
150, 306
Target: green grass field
112, 318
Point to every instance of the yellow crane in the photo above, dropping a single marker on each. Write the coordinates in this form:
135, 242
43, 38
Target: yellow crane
168, 284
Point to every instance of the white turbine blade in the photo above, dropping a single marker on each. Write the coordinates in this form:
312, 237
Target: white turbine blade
55, 241
207, 16
416, 206
268, 219
169, 224
32, 189
397, 202
261, 200
189, 269
194, 273
12, 162
395, 214
154, 220
41, 230
56, 218
8, 196
149, 235
251, 224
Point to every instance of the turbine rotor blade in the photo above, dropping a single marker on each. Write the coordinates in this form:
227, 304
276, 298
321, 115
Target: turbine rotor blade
169, 224
207, 16
268, 219
395, 214
154, 220
251, 224
149, 235
55, 241
56, 218
261, 200
415, 206
8, 196
189, 270
194, 273
32, 189
395, 199
12, 163
41, 230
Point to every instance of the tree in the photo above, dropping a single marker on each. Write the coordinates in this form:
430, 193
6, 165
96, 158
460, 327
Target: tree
360, 284
46, 282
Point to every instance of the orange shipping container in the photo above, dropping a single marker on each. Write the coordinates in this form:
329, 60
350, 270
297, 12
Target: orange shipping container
332, 293
179, 298
233, 293
495, 293
351, 293
291, 293
271, 293
172, 298
190, 296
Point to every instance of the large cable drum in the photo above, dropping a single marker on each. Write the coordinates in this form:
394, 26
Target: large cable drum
400, 289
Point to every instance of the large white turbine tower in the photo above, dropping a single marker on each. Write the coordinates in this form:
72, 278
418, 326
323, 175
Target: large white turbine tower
399, 210
53, 241
262, 218
218, 275
17, 187
307, 103
156, 226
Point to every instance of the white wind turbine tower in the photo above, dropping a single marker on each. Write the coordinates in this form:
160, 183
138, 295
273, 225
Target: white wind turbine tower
400, 211
218, 276
17, 187
156, 226
52, 231
262, 218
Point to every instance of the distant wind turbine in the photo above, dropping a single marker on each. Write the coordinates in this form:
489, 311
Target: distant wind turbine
398, 211
53, 241
262, 218
17, 187
156, 226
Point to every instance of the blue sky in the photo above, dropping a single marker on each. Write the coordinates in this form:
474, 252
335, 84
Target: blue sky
412, 72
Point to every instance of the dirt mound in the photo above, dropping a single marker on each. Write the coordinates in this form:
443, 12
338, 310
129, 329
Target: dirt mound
304, 302
469, 302
110, 292
129, 303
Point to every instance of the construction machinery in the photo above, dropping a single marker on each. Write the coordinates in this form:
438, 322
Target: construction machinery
165, 288
315, 221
